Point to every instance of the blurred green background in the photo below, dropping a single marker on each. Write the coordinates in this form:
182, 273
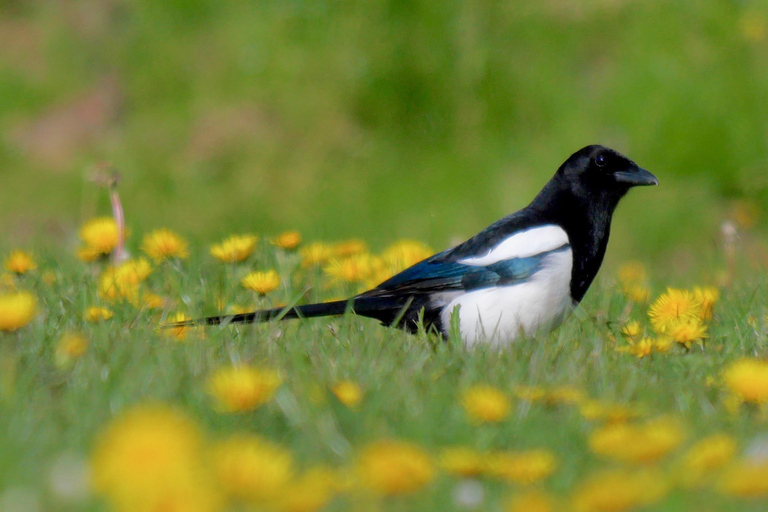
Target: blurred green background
378, 119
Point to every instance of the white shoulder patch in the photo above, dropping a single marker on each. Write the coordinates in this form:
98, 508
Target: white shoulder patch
523, 245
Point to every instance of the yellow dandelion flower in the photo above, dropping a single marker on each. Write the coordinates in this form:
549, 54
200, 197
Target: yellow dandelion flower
530, 393
348, 248
348, 393
687, 331
97, 314
619, 490
637, 444
486, 404
663, 344
747, 379
632, 329
708, 295
234, 249
178, 333
243, 388
405, 253
88, 254
261, 282
707, 455
354, 269
632, 272
521, 467
251, 468
533, 501
152, 301
610, 412
17, 309
745, 479
672, 307
164, 244
20, 262
462, 461
99, 235
394, 467
70, 347
309, 492
122, 282
640, 349
288, 240
314, 254
150, 458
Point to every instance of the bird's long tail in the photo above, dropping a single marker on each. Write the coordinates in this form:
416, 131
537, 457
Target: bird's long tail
375, 307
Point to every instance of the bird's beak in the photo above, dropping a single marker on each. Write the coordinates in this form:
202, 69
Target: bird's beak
635, 177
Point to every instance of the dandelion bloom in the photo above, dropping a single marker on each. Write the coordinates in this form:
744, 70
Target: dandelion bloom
99, 235
707, 455
152, 301
261, 282
394, 467
532, 501
618, 490
70, 347
462, 461
164, 244
485, 404
611, 412
308, 492
672, 307
637, 444
405, 253
687, 331
632, 272
178, 333
315, 254
251, 468
122, 282
639, 293
20, 262
745, 479
354, 269
348, 248
150, 458
17, 309
243, 388
632, 329
234, 249
708, 296
288, 240
522, 467
348, 393
97, 314
747, 379
640, 349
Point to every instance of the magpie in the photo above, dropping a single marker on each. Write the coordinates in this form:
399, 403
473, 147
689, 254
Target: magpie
521, 275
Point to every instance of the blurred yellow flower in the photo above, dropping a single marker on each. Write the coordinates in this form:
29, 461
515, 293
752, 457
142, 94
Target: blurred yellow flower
152, 301
178, 333
348, 248
251, 468
533, 501
708, 295
99, 236
348, 393
632, 329
637, 444
122, 282
632, 272
639, 293
618, 490
521, 467
672, 307
288, 240
610, 412
747, 379
315, 253
71, 346
17, 309
394, 467
261, 282
20, 262
308, 492
150, 458
405, 253
745, 479
662, 344
641, 348
97, 314
485, 404
687, 331
353, 269
234, 249
462, 461
243, 388
705, 456
164, 244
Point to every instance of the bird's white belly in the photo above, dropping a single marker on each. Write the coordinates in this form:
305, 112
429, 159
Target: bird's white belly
499, 314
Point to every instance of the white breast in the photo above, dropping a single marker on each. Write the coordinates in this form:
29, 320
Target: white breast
500, 314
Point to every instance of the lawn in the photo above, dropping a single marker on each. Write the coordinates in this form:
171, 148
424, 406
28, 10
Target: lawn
105, 408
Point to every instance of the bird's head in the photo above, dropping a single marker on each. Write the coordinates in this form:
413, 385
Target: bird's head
599, 171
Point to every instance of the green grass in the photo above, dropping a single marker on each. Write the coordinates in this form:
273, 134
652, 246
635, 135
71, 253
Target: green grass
412, 383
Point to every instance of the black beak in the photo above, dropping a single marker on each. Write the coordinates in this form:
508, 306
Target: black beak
635, 177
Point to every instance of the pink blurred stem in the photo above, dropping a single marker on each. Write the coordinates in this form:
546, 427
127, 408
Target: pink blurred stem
117, 211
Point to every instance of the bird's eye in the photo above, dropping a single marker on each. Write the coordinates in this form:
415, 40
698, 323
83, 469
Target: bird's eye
600, 160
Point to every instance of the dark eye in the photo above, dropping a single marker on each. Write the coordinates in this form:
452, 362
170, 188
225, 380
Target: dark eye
600, 160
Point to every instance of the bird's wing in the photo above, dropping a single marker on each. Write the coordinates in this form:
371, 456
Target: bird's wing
512, 259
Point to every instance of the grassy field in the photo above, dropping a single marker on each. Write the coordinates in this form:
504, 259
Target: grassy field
116, 411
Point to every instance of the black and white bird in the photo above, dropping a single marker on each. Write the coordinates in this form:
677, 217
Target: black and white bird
519, 276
